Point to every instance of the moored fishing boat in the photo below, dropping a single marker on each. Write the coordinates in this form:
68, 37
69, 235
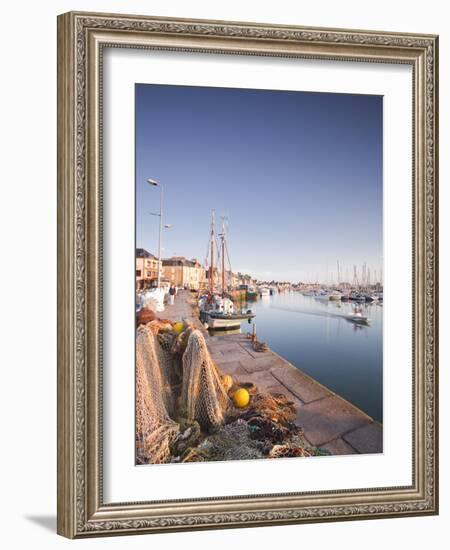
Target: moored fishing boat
218, 311
218, 321
309, 293
357, 297
327, 295
251, 294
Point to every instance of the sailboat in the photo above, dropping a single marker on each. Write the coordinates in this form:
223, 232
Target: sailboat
217, 310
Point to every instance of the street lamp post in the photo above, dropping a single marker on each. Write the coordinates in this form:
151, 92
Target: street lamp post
157, 184
166, 226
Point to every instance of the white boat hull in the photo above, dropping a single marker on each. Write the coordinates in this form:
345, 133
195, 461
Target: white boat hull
216, 323
359, 319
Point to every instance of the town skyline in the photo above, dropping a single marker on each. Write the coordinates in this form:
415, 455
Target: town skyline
297, 175
363, 273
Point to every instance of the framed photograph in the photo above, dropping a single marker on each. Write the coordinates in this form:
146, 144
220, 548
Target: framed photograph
247, 276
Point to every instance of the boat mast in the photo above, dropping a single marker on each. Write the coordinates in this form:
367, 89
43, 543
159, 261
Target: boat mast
223, 256
211, 274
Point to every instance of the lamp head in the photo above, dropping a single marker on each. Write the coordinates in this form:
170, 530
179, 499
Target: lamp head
152, 182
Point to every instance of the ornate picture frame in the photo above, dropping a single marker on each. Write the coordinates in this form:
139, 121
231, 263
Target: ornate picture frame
82, 38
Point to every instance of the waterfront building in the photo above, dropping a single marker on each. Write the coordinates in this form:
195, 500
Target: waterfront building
146, 269
234, 279
184, 273
244, 279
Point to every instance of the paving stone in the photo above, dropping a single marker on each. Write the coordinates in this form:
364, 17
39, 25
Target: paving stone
301, 385
235, 351
368, 439
246, 344
180, 310
231, 367
235, 338
233, 356
264, 363
262, 380
329, 418
339, 447
247, 354
257, 354
226, 356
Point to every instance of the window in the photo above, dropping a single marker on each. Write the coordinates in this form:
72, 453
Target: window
138, 272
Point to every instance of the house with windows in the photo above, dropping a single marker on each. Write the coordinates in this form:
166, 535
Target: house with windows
183, 273
146, 269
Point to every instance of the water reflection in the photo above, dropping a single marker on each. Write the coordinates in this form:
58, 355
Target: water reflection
317, 337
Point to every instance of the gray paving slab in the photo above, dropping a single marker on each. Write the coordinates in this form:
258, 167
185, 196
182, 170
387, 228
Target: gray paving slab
181, 308
339, 447
257, 354
268, 362
235, 350
368, 439
262, 380
301, 385
231, 367
329, 418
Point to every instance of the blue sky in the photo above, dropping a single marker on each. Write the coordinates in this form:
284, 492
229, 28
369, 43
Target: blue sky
297, 174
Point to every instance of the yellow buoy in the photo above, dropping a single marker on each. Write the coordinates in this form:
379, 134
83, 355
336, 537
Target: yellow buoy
241, 397
178, 327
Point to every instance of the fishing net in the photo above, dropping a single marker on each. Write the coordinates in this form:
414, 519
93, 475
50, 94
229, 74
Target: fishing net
292, 450
238, 440
168, 367
231, 442
184, 414
276, 406
155, 399
203, 396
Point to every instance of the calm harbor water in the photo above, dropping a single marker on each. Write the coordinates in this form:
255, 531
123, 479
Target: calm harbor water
315, 337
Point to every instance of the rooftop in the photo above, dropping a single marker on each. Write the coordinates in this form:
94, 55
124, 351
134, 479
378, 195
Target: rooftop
142, 253
179, 261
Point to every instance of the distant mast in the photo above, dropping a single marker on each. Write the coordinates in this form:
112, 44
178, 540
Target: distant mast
223, 256
211, 273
